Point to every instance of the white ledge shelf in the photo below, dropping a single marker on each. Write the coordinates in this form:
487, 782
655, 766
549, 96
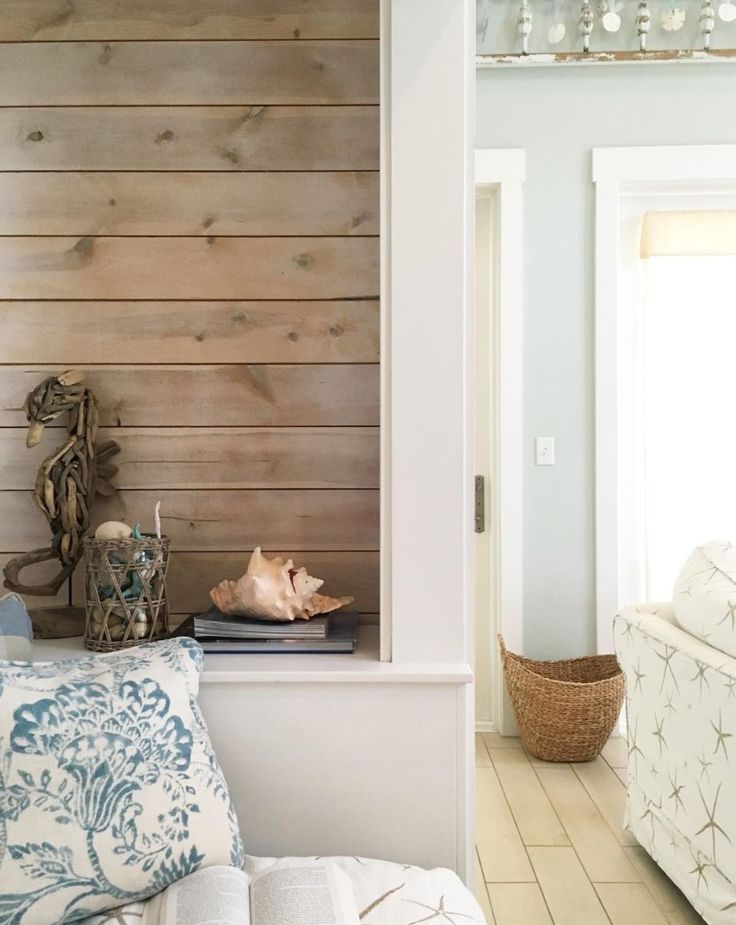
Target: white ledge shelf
581, 58
363, 667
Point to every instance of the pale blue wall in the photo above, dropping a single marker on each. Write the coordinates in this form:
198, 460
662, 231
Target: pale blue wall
558, 116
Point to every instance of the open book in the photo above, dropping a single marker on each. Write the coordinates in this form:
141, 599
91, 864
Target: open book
288, 893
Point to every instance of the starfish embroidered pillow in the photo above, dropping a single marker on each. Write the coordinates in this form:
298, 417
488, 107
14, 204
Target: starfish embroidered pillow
705, 595
109, 788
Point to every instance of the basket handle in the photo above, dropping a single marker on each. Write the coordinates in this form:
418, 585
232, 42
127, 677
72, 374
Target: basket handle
501, 646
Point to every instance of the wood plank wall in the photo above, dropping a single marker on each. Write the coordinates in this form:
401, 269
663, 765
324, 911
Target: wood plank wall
189, 212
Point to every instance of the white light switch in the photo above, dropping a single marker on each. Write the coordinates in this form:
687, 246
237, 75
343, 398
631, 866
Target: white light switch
545, 451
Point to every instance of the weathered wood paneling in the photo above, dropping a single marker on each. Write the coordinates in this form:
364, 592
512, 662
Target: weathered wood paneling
192, 574
188, 268
190, 332
29, 20
200, 396
189, 198
190, 138
215, 458
205, 204
212, 521
199, 73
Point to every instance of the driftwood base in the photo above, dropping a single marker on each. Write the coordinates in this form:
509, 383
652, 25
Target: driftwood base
57, 622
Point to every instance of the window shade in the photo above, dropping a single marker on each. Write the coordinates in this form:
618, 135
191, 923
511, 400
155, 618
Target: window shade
710, 233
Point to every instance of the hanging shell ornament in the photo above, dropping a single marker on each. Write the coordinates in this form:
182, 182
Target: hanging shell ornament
558, 29
272, 589
557, 32
673, 19
643, 23
585, 24
68, 479
524, 25
611, 20
707, 21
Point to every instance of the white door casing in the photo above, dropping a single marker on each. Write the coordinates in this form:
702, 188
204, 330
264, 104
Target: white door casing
499, 179
622, 175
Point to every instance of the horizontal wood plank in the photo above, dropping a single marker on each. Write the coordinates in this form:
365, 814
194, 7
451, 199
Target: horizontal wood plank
188, 268
188, 73
203, 396
205, 204
190, 138
29, 20
215, 458
206, 521
192, 574
190, 332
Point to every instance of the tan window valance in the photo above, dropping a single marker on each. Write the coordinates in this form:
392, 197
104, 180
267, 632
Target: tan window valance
706, 233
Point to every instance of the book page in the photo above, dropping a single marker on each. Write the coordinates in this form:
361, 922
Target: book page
302, 894
147, 912
213, 896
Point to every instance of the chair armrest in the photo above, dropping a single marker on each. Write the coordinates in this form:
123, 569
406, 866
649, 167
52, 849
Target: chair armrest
657, 622
681, 725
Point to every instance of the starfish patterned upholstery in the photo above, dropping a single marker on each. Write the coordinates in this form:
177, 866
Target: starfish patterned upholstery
705, 595
385, 894
681, 724
401, 894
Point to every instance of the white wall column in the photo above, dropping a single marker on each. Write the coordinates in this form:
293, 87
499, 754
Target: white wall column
427, 288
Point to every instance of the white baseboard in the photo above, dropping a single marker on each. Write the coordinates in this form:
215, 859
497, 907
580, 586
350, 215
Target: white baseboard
485, 725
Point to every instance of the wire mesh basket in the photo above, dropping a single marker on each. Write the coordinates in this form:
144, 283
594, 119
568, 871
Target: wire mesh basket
566, 710
125, 583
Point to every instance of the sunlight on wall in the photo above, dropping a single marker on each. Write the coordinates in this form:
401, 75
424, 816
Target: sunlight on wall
689, 411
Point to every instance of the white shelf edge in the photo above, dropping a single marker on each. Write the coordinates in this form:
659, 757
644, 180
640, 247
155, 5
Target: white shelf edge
362, 668
368, 673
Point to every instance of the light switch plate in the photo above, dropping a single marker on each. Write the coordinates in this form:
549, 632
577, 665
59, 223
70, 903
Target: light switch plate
545, 450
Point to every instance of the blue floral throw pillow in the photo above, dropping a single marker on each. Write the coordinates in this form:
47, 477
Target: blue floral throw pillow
109, 788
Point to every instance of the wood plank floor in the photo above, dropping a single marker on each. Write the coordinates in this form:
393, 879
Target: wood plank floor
551, 849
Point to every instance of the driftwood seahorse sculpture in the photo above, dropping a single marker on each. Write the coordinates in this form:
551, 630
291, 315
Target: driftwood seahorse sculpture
68, 479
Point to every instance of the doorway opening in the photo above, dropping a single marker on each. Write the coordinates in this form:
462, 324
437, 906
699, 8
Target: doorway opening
665, 264
499, 177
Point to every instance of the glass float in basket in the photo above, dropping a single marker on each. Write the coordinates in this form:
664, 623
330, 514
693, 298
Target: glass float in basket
125, 586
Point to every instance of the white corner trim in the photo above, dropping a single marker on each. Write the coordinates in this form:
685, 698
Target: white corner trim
503, 172
606, 411
385, 555
619, 173
427, 475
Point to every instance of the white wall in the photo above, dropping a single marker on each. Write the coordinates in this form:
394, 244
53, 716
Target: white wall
427, 485
558, 116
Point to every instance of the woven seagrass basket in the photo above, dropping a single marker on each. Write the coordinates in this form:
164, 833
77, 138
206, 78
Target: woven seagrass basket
125, 584
566, 710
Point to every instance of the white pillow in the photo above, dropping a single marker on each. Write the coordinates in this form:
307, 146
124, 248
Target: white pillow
705, 595
109, 788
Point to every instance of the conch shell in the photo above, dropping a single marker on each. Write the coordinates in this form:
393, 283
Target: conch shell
272, 589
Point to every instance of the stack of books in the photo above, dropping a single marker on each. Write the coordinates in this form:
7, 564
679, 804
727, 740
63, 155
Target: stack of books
219, 632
